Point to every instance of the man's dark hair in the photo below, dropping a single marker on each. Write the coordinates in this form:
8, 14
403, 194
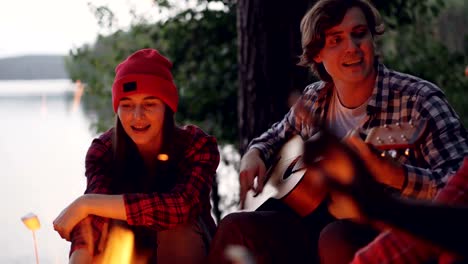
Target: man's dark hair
324, 15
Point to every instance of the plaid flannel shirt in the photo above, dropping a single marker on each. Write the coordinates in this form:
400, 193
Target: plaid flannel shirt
189, 198
398, 247
397, 97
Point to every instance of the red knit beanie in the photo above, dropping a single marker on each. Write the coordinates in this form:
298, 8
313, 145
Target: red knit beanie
145, 71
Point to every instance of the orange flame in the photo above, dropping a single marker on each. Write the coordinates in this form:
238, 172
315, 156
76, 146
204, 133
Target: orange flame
119, 247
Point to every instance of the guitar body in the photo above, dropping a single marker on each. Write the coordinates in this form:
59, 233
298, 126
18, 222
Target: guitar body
302, 190
289, 181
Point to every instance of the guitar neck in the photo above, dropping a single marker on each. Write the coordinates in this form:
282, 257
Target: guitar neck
396, 136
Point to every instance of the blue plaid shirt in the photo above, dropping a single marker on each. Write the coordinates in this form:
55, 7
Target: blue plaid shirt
397, 97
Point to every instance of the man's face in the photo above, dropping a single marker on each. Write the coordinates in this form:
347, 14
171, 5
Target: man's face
348, 53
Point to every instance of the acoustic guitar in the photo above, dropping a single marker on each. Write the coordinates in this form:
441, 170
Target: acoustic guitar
288, 180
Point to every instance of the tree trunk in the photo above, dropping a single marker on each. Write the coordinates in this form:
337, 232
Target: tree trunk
269, 46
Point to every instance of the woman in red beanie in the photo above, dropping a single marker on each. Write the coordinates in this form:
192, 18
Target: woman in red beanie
145, 174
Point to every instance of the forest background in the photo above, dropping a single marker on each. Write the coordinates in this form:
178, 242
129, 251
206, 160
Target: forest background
234, 61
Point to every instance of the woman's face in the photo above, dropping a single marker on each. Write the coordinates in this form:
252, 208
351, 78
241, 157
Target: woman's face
142, 117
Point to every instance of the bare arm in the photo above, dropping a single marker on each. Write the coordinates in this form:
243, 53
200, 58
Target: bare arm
110, 206
104, 205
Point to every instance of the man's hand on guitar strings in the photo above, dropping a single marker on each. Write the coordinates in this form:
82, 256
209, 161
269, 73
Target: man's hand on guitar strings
251, 167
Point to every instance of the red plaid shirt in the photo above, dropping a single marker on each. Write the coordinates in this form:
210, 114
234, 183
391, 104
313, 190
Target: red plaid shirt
398, 247
188, 199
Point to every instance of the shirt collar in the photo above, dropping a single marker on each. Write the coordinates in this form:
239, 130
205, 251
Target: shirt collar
381, 89
379, 96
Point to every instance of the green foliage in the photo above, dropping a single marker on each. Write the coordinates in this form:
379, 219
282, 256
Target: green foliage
94, 66
397, 13
415, 49
105, 16
170, 4
432, 61
202, 46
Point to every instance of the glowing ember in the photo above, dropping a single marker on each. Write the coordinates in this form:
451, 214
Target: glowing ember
163, 157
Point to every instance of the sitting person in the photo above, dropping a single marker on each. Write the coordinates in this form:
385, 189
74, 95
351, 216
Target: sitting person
420, 231
145, 174
356, 92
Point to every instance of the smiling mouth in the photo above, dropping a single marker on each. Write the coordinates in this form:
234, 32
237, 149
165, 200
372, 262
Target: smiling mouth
353, 62
140, 128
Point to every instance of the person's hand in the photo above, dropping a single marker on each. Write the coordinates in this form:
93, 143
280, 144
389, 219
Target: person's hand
251, 167
354, 191
344, 206
70, 217
384, 170
335, 164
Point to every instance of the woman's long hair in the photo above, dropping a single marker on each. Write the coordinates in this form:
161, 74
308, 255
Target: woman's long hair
129, 173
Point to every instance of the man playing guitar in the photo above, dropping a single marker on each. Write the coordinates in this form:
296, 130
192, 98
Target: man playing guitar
356, 91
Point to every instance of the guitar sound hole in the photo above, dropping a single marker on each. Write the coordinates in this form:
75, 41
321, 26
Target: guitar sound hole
294, 166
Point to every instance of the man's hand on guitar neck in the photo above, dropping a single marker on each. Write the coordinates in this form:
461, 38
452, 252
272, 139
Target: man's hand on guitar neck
251, 167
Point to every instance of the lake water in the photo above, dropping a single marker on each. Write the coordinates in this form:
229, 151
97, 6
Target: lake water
43, 142
44, 137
